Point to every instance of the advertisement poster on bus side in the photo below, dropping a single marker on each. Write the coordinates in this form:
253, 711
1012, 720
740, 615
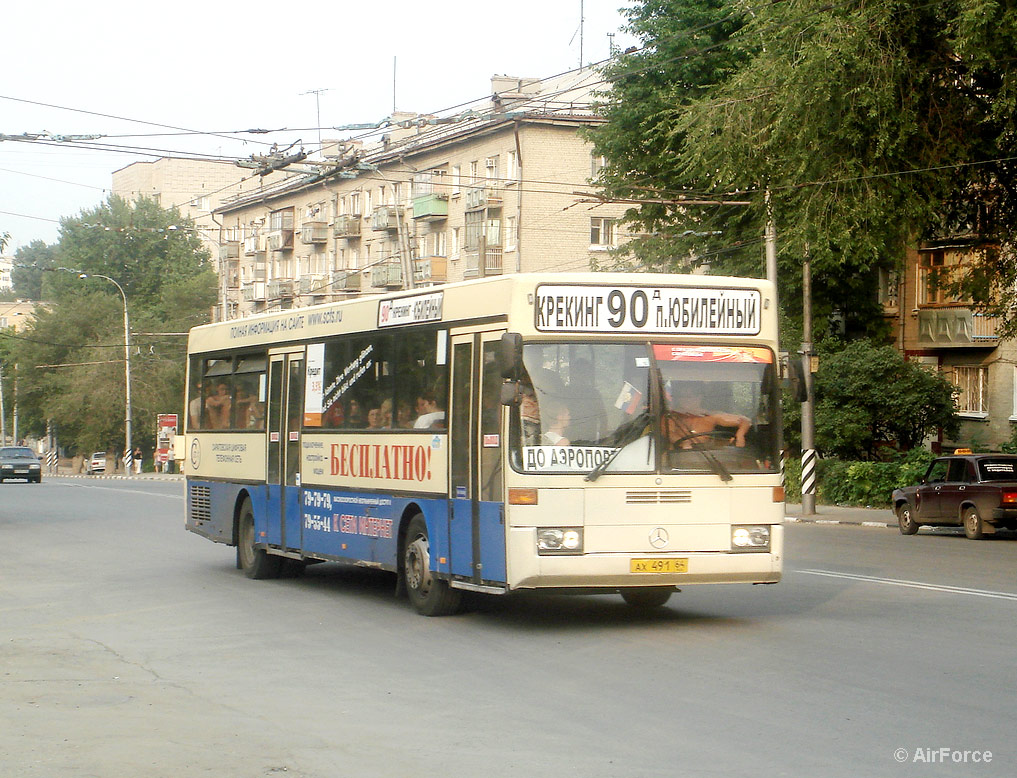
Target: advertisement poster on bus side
407, 462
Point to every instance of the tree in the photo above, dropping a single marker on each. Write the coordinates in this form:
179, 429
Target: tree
684, 52
868, 399
29, 273
71, 357
868, 126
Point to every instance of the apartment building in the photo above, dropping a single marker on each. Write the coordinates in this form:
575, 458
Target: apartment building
950, 335
501, 187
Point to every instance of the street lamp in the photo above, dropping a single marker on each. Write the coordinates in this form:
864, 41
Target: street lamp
129, 449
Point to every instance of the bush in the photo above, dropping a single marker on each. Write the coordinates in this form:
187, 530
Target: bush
858, 483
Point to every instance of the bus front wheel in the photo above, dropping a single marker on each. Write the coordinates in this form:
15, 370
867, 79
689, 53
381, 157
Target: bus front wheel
255, 562
429, 595
647, 597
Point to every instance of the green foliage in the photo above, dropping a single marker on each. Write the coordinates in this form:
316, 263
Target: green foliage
870, 125
869, 398
858, 483
71, 359
870, 483
30, 271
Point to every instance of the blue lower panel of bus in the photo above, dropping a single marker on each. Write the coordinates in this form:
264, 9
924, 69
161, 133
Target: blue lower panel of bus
358, 525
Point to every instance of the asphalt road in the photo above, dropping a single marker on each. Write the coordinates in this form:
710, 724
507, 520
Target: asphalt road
129, 647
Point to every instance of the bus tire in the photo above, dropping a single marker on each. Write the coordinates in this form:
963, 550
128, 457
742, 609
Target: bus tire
255, 562
647, 596
430, 596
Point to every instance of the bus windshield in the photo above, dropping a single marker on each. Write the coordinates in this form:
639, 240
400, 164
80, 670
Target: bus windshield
646, 408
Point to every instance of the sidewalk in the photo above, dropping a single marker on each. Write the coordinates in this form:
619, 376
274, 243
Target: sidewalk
840, 514
118, 476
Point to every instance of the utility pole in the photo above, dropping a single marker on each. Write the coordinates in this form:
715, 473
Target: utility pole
808, 420
15, 403
317, 107
3, 415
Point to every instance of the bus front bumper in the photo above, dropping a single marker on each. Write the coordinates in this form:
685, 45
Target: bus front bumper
530, 570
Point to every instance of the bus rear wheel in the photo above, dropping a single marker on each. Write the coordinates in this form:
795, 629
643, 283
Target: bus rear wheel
429, 595
255, 562
647, 596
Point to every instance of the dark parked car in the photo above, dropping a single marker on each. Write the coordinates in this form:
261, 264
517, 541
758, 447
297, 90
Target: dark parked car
19, 462
977, 491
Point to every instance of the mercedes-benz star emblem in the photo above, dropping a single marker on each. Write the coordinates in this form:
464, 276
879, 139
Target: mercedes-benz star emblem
659, 537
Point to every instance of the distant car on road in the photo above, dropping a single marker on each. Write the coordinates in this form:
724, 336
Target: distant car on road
96, 463
972, 490
20, 462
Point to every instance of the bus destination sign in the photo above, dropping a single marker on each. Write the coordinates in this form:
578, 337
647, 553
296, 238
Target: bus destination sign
665, 310
410, 310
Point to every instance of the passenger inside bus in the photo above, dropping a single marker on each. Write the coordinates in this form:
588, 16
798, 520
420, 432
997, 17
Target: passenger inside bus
690, 425
558, 420
429, 415
217, 407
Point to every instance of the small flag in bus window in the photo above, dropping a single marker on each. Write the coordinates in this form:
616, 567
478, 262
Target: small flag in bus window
629, 399
491, 441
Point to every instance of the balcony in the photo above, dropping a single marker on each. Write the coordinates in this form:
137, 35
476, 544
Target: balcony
314, 232
346, 280
347, 226
389, 274
253, 292
314, 285
492, 263
252, 244
280, 240
956, 328
430, 270
477, 197
386, 217
231, 273
229, 250
430, 207
279, 288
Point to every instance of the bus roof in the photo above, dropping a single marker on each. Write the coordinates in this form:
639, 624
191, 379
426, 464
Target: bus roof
638, 304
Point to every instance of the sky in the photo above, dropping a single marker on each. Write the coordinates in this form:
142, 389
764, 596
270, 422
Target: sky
209, 69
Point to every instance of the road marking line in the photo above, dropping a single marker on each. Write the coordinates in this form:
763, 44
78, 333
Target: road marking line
915, 584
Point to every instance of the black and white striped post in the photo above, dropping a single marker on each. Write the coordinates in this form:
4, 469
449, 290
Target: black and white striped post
808, 420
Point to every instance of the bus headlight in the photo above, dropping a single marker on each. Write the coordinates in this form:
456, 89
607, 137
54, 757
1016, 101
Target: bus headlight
559, 540
750, 537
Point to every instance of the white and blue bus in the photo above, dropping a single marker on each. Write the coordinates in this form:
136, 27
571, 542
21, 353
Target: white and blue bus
581, 432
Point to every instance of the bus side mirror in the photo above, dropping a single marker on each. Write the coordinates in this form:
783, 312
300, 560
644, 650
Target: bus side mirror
510, 355
510, 393
796, 380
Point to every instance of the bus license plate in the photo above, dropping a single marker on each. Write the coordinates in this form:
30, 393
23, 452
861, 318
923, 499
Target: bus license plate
680, 565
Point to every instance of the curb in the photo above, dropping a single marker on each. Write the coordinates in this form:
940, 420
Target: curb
121, 476
800, 520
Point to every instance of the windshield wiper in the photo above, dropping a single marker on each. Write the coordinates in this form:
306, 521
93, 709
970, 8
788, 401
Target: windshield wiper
632, 431
691, 436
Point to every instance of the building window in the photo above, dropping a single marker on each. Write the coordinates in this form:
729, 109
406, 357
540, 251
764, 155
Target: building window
510, 233
597, 163
474, 168
889, 284
440, 244
511, 167
972, 390
454, 248
491, 169
457, 179
602, 232
937, 270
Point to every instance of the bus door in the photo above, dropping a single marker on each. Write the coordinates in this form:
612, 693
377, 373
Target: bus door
477, 517
285, 414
